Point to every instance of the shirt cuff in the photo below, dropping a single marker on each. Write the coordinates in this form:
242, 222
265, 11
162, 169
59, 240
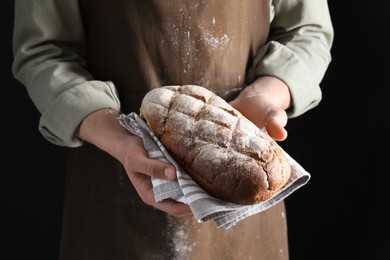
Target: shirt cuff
59, 122
279, 61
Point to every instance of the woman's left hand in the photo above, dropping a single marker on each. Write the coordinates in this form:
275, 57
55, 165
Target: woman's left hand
265, 102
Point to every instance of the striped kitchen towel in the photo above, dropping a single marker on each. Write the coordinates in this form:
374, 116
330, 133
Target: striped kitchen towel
204, 206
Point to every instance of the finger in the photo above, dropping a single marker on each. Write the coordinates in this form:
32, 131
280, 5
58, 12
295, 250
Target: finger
143, 185
144, 188
275, 124
157, 168
139, 162
174, 208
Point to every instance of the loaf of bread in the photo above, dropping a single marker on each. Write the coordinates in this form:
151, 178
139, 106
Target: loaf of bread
224, 152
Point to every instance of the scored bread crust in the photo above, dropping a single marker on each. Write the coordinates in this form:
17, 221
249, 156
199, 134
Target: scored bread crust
223, 151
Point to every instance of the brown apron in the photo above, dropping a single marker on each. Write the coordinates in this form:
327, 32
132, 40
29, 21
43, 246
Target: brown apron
144, 44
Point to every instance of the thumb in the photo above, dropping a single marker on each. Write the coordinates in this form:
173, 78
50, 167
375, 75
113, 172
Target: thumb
140, 163
275, 123
159, 169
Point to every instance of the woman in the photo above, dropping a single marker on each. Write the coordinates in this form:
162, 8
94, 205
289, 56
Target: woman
84, 63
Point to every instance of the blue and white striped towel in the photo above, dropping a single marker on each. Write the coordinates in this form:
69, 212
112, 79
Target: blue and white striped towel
204, 206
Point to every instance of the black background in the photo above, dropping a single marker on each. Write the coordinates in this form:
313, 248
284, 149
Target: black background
342, 213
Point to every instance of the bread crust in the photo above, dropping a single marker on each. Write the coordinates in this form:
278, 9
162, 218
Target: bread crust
223, 151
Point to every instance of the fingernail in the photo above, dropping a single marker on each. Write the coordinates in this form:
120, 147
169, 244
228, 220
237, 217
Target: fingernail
169, 173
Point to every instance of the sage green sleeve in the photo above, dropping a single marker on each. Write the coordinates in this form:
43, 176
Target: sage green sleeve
299, 50
48, 46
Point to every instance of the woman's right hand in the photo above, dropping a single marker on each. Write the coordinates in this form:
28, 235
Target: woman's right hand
102, 129
140, 169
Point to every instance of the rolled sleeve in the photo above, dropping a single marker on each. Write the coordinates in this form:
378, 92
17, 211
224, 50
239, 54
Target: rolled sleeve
49, 60
282, 63
299, 50
61, 119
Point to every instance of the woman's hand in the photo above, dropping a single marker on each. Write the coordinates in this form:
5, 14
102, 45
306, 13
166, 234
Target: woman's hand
140, 169
102, 129
264, 102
